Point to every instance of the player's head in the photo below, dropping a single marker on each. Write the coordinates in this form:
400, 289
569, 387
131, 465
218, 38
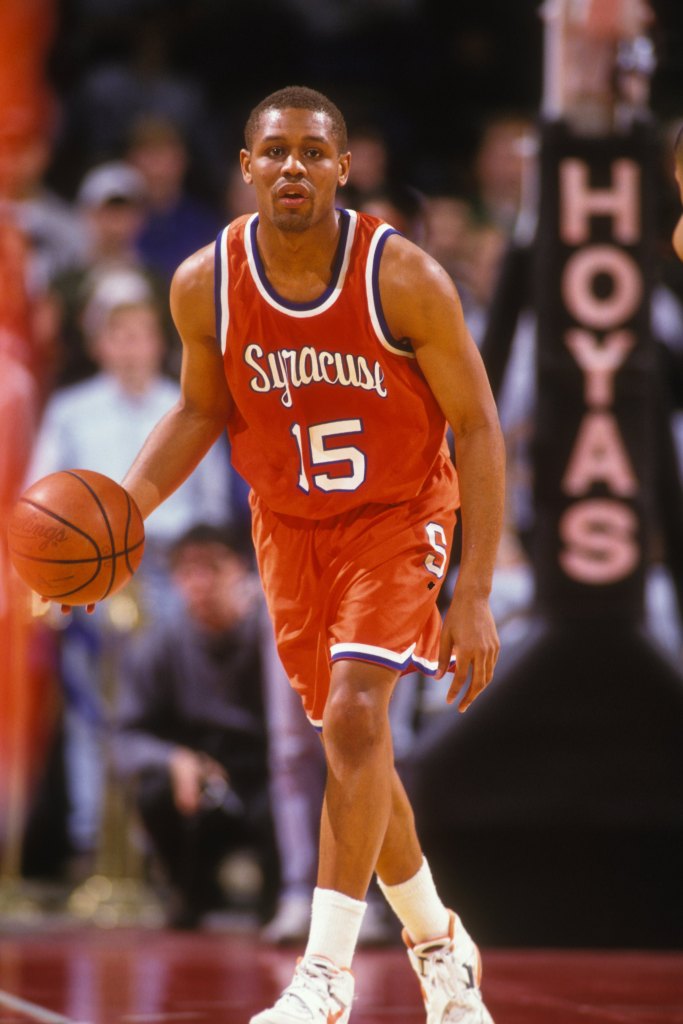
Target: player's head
298, 97
296, 158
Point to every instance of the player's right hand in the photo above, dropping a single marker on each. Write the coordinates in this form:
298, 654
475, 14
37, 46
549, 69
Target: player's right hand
67, 608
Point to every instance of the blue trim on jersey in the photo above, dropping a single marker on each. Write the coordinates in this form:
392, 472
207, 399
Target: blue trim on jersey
344, 224
218, 284
409, 664
374, 659
403, 344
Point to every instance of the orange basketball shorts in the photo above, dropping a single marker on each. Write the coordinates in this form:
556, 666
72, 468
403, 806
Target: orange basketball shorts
362, 585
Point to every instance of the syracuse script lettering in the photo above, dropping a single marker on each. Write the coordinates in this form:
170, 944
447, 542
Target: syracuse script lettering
288, 368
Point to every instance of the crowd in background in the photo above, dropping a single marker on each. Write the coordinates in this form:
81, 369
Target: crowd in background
134, 170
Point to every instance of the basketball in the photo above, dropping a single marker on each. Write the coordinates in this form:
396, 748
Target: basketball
76, 537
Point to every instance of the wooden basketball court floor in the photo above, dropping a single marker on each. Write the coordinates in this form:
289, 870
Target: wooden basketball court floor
88, 975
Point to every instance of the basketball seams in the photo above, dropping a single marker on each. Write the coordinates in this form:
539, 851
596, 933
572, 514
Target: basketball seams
80, 561
129, 516
55, 549
60, 519
107, 524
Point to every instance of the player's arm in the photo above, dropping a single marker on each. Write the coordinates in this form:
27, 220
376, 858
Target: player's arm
420, 302
184, 435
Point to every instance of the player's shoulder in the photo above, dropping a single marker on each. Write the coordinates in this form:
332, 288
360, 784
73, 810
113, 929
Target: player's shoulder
196, 272
409, 275
192, 292
406, 264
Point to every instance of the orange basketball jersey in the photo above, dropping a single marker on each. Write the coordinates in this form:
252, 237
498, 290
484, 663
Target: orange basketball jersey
330, 411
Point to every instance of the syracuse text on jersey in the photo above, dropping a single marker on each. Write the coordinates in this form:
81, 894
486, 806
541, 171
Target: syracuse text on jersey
287, 368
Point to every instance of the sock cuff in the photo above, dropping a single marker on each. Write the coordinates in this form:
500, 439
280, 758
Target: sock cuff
337, 900
405, 888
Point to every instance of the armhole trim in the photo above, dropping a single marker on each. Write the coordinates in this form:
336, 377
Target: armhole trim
220, 284
399, 346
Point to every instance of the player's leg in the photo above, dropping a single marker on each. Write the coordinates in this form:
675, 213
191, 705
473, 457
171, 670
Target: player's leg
441, 952
356, 813
358, 792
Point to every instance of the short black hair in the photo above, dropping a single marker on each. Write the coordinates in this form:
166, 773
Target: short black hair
298, 97
204, 535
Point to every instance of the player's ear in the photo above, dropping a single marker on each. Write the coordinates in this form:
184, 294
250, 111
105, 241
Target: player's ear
344, 168
245, 164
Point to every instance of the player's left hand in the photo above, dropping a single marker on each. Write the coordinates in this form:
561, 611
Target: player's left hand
469, 633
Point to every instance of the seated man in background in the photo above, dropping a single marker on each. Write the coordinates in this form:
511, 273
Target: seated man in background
190, 734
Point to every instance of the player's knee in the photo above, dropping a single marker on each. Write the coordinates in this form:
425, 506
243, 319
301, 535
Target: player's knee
356, 715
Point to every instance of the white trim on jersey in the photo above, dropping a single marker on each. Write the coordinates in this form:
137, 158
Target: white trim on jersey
384, 337
291, 309
428, 667
224, 308
383, 656
372, 653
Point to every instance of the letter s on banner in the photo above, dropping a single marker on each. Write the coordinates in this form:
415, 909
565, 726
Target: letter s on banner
600, 538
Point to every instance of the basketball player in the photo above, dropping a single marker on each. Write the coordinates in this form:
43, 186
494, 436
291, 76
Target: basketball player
335, 351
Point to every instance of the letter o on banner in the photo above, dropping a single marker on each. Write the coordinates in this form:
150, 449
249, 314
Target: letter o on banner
589, 309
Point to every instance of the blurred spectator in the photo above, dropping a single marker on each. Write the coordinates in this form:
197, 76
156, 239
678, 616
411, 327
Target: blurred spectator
449, 223
45, 236
369, 166
53, 230
112, 202
297, 782
239, 197
177, 223
499, 167
482, 253
190, 734
471, 252
402, 206
100, 424
127, 73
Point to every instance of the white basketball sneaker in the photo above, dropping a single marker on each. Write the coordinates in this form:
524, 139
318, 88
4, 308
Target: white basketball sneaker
320, 993
449, 972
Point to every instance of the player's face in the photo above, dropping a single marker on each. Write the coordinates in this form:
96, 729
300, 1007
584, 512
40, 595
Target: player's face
295, 166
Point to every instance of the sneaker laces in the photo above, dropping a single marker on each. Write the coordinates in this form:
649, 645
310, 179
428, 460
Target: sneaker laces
440, 967
312, 978
443, 970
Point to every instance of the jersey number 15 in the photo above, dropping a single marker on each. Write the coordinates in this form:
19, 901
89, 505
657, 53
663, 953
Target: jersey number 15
315, 452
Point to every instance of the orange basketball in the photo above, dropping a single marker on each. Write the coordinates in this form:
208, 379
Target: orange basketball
76, 537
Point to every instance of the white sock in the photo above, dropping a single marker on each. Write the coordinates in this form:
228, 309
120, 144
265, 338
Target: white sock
418, 906
335, 924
